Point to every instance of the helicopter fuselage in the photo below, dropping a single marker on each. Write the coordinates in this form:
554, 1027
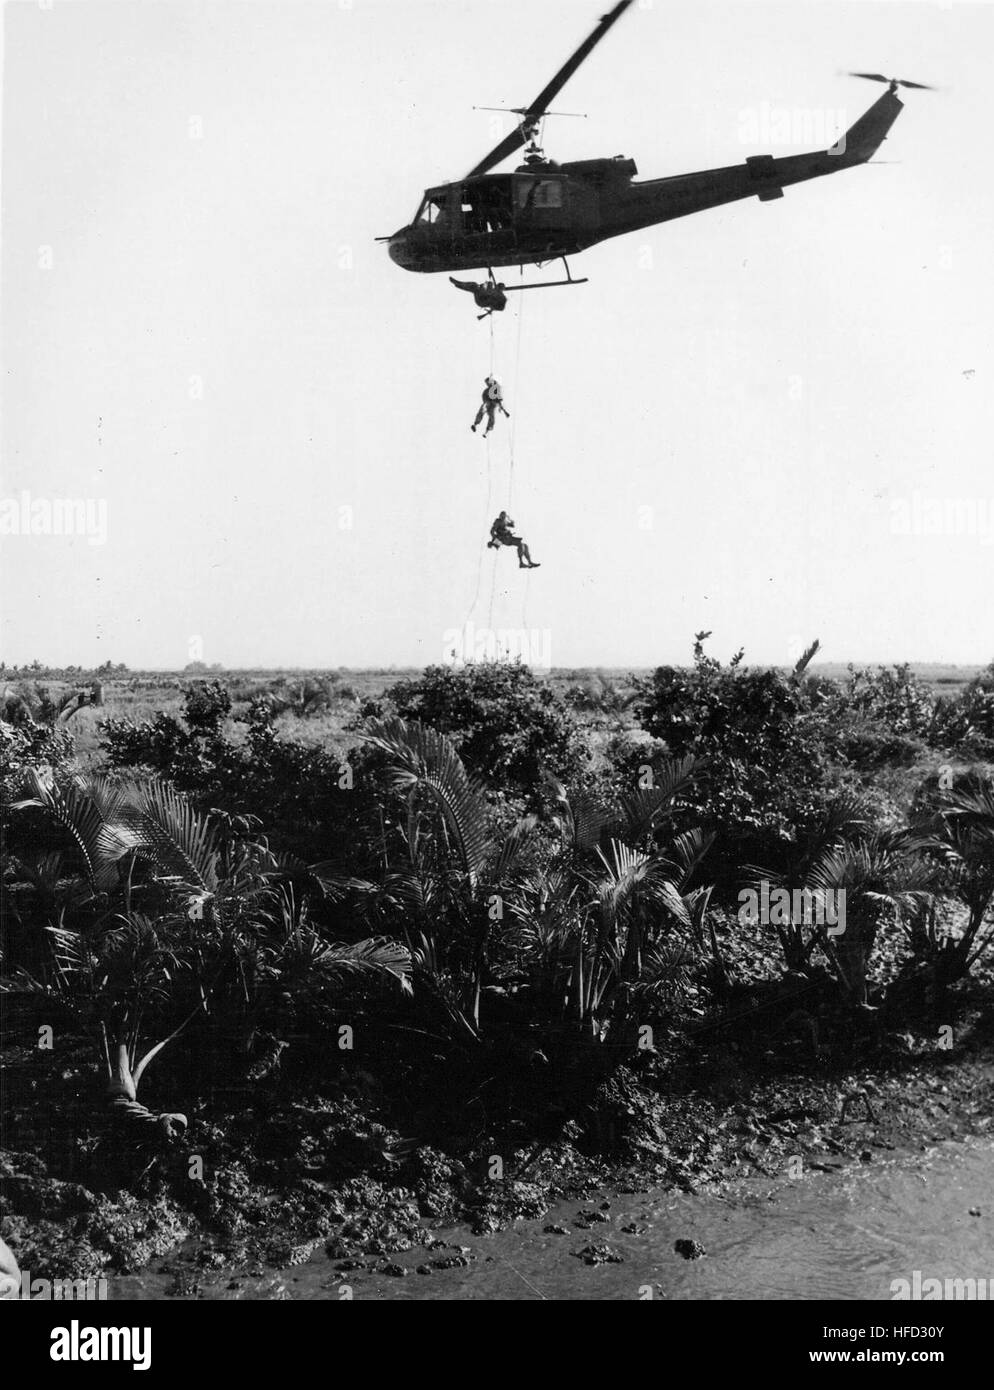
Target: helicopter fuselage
544, 210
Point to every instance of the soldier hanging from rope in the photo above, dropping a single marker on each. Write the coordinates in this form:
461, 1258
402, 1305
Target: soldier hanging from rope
492, 401
502, 534
489, 297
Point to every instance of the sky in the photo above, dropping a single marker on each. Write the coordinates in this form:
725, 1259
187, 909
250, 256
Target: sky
772, 421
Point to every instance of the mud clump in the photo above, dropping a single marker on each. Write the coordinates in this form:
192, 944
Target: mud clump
599, 1255
585, 1219
690, 1249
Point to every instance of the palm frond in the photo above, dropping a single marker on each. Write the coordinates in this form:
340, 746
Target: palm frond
631, 874
973, 808
376, 954
92, 812
642, 809
580, 818
513, 847
421, 759
589, 820
805, 659
173, 836
688, 850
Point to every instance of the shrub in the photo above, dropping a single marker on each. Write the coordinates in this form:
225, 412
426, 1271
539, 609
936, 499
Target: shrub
889, 717
893, 697
25, 748
872, 746
207, 707
972, 712
308, 800
509, 727
764, 750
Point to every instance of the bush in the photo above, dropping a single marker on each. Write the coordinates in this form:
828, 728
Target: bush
765, 751
508, 726
973, 710
308, 800
207, 707
872, 746
893, 697
889, 718
25, 747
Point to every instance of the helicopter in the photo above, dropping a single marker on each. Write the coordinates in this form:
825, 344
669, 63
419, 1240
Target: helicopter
544, 211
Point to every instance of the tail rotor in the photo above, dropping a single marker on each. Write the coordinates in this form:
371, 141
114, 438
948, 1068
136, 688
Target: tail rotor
893, 82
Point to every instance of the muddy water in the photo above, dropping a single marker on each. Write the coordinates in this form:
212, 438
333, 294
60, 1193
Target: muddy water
844, 1235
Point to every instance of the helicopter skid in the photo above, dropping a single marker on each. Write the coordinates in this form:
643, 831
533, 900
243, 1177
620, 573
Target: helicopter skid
546, 284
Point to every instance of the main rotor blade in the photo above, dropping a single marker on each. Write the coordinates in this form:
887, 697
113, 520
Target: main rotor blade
549, 93
499, 153
537, 108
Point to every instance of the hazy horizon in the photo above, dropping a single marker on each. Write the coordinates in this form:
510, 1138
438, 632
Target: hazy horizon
614, 668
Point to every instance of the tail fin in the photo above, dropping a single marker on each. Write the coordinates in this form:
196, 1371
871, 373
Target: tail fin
862, 140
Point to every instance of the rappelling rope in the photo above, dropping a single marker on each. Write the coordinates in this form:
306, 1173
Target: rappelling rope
511, 437
479, 563
493, 587
510, 478
510, 447
487, 516
493, 569
514, 417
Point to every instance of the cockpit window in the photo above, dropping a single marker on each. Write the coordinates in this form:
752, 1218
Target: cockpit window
548, 194
540, 193
434, 210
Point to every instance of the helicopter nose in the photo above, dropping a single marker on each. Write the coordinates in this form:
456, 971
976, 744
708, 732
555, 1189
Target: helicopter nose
399, 250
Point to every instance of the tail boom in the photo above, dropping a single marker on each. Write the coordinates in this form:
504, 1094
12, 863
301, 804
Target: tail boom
761, 176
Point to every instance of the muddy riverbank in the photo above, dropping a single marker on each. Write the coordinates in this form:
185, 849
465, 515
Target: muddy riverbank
877, 1230
312, 1177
